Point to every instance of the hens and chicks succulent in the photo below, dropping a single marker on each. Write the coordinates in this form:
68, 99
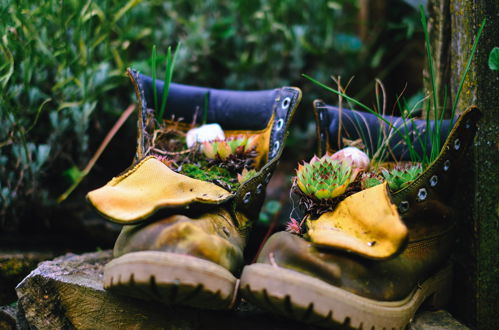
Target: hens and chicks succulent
329, 177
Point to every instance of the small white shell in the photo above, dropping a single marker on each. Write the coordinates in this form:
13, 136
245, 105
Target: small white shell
204, 133
356, 157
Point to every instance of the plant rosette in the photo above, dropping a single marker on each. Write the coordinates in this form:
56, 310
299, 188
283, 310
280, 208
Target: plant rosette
323, 182
227, 162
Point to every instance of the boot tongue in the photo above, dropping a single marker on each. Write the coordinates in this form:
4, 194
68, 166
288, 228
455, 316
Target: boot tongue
149, 186
366, 223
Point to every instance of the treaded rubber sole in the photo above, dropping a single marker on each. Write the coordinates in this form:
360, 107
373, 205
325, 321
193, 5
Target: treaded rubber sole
308, 299
172, 279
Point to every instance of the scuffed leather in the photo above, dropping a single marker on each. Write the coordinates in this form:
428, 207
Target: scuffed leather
427, 216
211, 236
149, 186
384, 280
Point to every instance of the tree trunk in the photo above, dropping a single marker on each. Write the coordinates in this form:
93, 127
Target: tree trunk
453, 27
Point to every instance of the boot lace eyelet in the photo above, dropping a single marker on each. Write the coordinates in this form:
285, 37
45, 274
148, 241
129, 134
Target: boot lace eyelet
403, 206
285, 103
259, 188
446, 165
457, 144
247, 197
279, 124
422, 194
433, 180
275, 148
267, 178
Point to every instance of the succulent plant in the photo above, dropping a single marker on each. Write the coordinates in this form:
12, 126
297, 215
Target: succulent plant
223, 149
370, 179
324, 178
234, 153
402, 175
166, 160
293, 226
245, 175
356, 157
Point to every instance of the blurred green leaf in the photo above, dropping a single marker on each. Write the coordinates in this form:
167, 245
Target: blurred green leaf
494, 59
264, 218
272, 207
73, 174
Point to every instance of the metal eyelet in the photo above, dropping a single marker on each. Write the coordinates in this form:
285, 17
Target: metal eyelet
259, 189
457, 144
321, 115
279, 124
267, 178
433, 180
275, 148
468, 123
247, 197
285, 103
403, 206
422, 194
446, 165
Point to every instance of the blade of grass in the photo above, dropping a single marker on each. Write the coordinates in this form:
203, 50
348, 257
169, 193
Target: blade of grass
170, 63
360, 104
468, 65
205, 107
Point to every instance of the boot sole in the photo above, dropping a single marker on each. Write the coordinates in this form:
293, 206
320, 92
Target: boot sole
172, 279
307, 299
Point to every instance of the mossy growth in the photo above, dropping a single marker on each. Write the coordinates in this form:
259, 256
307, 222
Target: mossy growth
215, 174
229, 159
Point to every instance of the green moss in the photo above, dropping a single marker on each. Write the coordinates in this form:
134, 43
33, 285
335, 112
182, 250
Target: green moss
14, 267
205, 173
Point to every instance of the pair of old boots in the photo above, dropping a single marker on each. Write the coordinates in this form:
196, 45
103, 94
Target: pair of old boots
370, 262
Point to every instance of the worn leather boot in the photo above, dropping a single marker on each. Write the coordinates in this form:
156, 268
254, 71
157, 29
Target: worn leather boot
379, 255
183, 238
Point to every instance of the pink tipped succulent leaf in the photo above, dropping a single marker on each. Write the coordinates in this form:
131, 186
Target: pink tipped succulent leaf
246, 175
251, 143
293, 226
210, 149
324, 178
224, 150
354, 156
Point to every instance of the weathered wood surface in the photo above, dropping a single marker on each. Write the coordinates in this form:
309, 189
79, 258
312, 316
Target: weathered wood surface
8, 318
67, 293
453, 29
16, 264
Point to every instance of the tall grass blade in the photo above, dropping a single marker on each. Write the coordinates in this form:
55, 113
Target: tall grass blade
205, 107
468, 65
170, 64
360, 104
129, 5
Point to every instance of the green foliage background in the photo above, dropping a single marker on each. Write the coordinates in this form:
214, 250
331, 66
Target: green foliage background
62, 64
